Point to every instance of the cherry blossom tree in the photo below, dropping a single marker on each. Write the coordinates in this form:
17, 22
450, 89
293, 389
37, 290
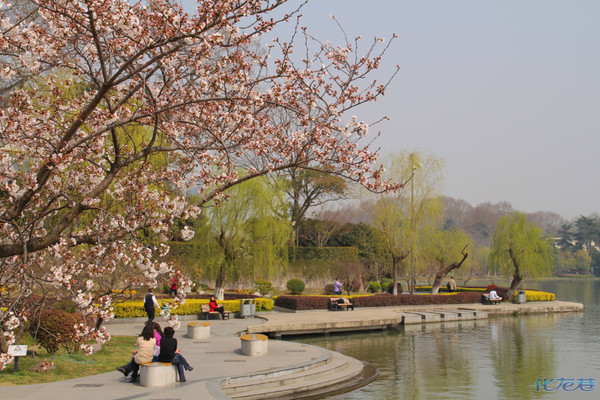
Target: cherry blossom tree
94, 92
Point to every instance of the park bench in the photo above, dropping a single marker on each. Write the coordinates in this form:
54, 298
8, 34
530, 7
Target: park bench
340, 303
485, 299
157, 374
205, 312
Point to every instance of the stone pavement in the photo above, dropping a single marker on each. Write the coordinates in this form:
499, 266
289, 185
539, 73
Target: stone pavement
213, 360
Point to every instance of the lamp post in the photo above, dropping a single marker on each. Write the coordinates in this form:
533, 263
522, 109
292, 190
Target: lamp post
412, 222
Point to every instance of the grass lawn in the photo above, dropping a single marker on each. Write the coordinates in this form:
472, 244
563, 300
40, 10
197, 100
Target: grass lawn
67, 366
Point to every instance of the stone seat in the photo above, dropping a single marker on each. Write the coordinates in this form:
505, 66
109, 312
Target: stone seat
158, 374
198, 330
254, 345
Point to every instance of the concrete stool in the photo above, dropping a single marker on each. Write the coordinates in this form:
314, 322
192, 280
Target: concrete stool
157, 374
254, 345
198, 330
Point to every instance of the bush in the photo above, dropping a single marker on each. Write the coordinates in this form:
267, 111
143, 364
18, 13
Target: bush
263, 286
329, 289
56, 329
68, 306
296, 286
373, 287
131, 309
379, 300
535, 295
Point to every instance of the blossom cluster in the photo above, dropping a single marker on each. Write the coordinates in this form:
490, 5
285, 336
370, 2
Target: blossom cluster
113, 111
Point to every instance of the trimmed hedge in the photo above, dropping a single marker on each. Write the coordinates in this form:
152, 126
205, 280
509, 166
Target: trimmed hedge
130, 309
378, 300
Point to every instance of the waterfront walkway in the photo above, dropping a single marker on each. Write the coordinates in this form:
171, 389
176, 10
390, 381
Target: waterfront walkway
288, 370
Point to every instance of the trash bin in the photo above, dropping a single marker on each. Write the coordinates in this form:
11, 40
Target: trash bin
521, 297
247, 308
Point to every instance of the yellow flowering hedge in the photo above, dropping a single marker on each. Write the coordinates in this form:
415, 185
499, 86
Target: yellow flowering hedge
130, 309
535, 295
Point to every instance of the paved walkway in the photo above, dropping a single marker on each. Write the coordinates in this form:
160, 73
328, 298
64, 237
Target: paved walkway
219, 356
213, 359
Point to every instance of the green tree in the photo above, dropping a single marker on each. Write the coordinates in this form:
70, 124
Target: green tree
407, 217
578, 261
521, 249
447, 250
251, 236
370, 243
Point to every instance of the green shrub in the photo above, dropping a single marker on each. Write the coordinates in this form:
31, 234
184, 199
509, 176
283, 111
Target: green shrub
296, 286
385, 283
263, 286
373, 287
56, 329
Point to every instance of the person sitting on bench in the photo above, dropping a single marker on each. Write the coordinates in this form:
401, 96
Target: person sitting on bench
342, 300
494, 296
214, 306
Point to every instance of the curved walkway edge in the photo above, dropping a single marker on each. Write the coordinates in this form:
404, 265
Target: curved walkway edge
222, 372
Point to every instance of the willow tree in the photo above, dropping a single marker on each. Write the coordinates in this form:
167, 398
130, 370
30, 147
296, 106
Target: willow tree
447, 250
407, 217
520, 249
251, 232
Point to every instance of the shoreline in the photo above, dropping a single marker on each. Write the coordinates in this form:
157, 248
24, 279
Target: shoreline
289, 369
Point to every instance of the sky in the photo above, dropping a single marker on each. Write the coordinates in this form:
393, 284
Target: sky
506, 92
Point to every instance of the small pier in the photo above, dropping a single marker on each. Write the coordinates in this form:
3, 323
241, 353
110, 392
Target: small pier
292, 323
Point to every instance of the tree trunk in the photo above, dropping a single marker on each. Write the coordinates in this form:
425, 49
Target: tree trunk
395, 261
514, 285
442, 272
517, 276
3, 343
220, 282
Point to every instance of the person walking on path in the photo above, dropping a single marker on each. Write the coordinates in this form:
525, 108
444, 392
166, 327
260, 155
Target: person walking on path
149, 303
338, 286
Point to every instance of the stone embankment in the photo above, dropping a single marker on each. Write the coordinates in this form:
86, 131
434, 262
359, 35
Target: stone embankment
287, 370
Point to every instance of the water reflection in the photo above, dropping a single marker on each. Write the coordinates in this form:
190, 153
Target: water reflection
498, 358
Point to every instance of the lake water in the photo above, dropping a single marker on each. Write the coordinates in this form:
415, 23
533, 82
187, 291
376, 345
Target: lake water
497, 358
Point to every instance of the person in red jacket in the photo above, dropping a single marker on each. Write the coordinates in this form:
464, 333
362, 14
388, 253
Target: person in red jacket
173, 287
214, 306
